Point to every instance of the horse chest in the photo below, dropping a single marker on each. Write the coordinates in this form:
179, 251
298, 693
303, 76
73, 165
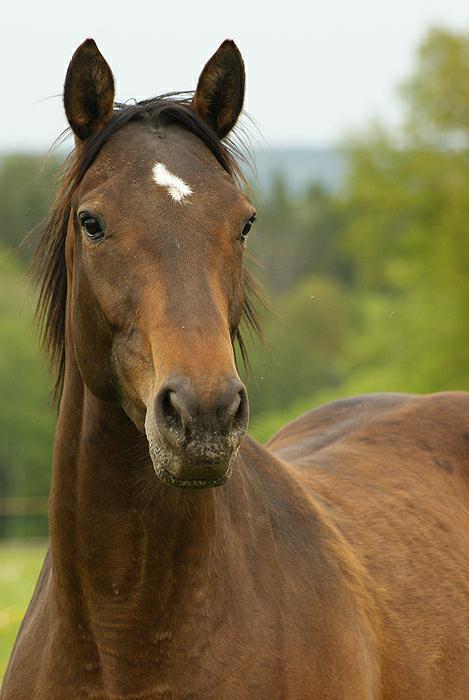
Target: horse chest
208, 654
227, 661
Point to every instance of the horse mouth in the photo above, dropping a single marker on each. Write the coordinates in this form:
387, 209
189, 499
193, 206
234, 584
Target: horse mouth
198, 483
186, 470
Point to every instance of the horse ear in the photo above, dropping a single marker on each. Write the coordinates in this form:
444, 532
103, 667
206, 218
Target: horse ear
88, 91
220, 91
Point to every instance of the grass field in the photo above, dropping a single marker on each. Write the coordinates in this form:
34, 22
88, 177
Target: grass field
19, 569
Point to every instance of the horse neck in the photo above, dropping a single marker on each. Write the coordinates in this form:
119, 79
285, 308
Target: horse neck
110, 517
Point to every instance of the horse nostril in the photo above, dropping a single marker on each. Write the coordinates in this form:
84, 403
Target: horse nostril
226, 413
234, 408
233, 414
175, 407
182, 406
242, 412
166, 407
179, 410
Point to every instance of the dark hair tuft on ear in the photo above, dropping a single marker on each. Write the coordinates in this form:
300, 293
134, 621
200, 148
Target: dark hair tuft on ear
220, 91
88, 91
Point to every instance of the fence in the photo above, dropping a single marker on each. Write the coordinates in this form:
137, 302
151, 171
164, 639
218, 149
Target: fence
23, 517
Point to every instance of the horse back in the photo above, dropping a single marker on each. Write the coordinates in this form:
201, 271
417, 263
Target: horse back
430, 432
392, 472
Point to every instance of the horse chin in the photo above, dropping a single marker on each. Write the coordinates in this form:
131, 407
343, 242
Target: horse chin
199, 483
190, 472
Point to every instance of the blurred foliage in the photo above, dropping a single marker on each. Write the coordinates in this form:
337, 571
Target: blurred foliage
305, 338
19, 569
436, 95
369, 285
298, 236
26, 192
407, 199
392, 245
26, 418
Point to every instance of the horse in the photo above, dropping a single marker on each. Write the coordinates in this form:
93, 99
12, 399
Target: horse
186, 560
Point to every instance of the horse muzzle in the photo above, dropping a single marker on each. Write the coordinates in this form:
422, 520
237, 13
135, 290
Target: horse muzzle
193, 444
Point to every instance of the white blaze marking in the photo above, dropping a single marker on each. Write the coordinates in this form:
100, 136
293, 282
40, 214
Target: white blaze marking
175, 185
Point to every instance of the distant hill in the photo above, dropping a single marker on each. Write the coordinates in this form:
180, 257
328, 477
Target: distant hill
300, 167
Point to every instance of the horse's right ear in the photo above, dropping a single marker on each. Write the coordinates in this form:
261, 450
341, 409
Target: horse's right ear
88, 91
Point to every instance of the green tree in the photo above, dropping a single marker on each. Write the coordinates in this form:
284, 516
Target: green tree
407, 208
26, 191
26, 416
305, 337
298, 235
437, 94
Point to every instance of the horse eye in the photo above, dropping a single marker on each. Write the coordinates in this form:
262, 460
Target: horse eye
247, 227
91, 226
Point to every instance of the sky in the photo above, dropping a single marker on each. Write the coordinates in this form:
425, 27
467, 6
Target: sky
316, 71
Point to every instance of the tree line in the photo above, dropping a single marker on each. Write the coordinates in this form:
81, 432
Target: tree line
368, 286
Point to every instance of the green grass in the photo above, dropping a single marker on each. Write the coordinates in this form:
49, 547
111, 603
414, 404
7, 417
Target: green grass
19, 568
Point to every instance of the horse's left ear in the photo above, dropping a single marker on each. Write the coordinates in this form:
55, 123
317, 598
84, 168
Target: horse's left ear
220, 91
88, 91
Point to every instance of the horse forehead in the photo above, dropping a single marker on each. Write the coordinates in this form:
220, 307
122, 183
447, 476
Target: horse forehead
176, 187
182, 154
168, 171
184, 169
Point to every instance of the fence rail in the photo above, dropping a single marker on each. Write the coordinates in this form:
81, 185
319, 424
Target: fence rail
22, 517
13, 505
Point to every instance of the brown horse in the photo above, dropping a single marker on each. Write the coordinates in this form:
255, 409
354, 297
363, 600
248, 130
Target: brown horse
333, 564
